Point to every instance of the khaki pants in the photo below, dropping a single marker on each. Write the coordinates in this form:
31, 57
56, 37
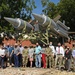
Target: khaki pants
58, 60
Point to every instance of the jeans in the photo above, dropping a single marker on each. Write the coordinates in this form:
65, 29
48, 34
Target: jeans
16, 61
20, 60
2, 61
38, 60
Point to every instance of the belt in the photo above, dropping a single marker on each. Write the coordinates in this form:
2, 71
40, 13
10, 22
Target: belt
59, 54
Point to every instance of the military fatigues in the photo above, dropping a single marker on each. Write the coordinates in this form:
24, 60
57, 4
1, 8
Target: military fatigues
49, 59
25, 57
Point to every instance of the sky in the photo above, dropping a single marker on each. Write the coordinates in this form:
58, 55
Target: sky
38, 10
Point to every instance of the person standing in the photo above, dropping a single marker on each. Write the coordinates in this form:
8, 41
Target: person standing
11, 55
8, 54
2, 55
25, 56
59, 55
31, 52
48, 52
43, 56
52, 55
68, 55
73, 55
20, 55
16, 53
38, 55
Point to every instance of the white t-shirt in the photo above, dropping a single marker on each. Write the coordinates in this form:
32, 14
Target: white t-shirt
2, 51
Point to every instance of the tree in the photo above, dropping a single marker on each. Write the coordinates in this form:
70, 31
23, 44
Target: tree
15, 9
66, 10
50, 9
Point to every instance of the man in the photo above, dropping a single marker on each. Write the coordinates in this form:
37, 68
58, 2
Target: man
48, 53
38, 55
25, 56
52, 55
8, 54
16, 53
43, 56
11, 48
2, 55
30, 54
20, 55
73, 55
59, 55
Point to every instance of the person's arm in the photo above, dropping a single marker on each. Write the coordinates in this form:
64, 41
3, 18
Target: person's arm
18, 51
40, 49
63, 51
56, 50
54, 53
12, 52
72, 53
65, 56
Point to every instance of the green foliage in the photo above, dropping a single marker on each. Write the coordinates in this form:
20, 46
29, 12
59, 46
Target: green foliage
15, 9
50, 10
44, 2
66, 9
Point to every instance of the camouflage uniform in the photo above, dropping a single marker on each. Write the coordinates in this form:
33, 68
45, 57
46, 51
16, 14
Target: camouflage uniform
49, 59
25, 57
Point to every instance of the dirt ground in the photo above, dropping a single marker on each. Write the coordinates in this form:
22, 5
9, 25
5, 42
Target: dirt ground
33, 71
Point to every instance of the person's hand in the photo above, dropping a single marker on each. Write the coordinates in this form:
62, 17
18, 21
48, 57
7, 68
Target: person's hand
63, 57
17, 54
66, 58
74, 57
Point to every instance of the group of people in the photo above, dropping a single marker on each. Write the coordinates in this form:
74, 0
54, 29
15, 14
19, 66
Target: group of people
47, 56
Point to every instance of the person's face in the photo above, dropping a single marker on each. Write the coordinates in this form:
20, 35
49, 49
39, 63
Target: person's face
7, 45
50, 43
20, 45
15, 46
59, 44
37, 44
43, 46
68, 48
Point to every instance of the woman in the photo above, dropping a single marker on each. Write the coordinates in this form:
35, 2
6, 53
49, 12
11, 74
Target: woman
2, 55
68, 55
31, 52
43, 57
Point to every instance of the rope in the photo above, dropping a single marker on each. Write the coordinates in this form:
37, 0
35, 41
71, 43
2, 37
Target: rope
49, 23
24, 27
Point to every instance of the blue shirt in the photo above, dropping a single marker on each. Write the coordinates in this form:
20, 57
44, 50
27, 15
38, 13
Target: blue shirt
10, 49
37, 50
